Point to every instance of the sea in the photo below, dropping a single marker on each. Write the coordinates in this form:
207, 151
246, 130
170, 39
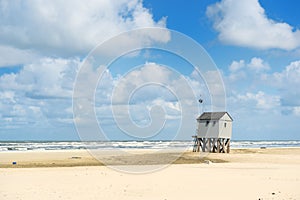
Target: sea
111, 145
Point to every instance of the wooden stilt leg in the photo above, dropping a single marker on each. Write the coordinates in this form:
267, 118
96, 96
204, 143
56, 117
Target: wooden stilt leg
208, 145
223, 145
214, 145
228, 146
195, 143
200, 144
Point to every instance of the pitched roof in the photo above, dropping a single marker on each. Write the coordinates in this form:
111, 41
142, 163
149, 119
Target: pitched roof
213, 116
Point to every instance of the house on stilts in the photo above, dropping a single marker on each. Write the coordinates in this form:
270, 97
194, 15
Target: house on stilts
214, 130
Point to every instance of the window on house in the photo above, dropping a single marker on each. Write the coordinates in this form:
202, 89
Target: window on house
225, 124
207, 122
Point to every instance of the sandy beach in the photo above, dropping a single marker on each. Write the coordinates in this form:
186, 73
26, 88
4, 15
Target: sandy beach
242, 174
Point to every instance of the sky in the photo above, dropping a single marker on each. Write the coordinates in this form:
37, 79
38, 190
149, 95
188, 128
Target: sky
73, 70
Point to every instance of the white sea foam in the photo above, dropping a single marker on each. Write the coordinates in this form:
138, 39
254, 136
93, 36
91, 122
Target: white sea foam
39, 146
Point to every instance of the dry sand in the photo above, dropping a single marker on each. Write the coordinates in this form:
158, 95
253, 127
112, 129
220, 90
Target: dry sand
242, 174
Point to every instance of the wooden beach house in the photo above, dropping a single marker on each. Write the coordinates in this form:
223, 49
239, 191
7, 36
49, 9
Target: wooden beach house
213, 132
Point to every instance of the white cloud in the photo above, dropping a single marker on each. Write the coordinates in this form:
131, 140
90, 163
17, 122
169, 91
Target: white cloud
215, 83
255, 65
289, 76
8, 96
265, 90
296, 110
287, 83
236, 65
72, 26
150, 81
240, 69
236, 72
262, 100
233, 77
10, 56
39, 94
244, 23
44, 78
147, 99
258, 64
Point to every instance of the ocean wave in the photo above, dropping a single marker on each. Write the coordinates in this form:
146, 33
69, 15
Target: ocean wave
40, 146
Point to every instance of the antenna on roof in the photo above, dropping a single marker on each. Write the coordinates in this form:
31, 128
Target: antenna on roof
201, 101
